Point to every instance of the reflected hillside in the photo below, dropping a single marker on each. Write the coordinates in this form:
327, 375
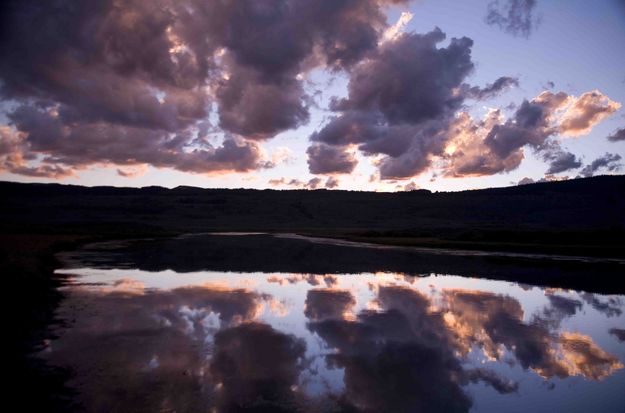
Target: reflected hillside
267, 253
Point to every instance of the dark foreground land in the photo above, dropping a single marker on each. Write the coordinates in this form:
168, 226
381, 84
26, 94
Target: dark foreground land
578, 218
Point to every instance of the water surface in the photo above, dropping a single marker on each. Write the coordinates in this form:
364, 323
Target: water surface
258, 323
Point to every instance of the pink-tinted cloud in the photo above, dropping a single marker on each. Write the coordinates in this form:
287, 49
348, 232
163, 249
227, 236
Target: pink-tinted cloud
585, 112
127, 84
493, 145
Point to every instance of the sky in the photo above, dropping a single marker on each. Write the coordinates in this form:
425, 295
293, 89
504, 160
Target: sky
377, 95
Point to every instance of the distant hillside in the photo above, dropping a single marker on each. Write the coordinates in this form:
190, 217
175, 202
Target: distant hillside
584, 213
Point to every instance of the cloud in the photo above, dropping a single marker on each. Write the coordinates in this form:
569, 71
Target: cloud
131, 172
609, 162
560, 160
546, 178
132, 84
326, 159
405, 110
332, 182
493, 89
313, 183
585, 112
410, 186
13, 158
619, 333
83, 144
284, 181
495, 145
501, 385
394, 31
399, 101
526, 181
513, 16
258, 109
486, 147
617, 135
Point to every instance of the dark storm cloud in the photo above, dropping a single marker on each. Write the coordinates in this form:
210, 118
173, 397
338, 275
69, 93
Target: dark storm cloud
84, 144
275, 37
259, 110
608, 162
400, 100
326, 159
102, 62
409, 80
145, 75
513, 16
269, 43
617, 135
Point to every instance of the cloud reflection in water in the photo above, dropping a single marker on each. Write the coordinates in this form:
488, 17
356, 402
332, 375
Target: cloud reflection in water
140, 341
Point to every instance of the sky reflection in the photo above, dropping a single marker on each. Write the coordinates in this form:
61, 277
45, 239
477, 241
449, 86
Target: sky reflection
161, 341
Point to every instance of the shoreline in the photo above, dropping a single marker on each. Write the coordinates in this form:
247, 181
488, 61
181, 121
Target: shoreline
442, 248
